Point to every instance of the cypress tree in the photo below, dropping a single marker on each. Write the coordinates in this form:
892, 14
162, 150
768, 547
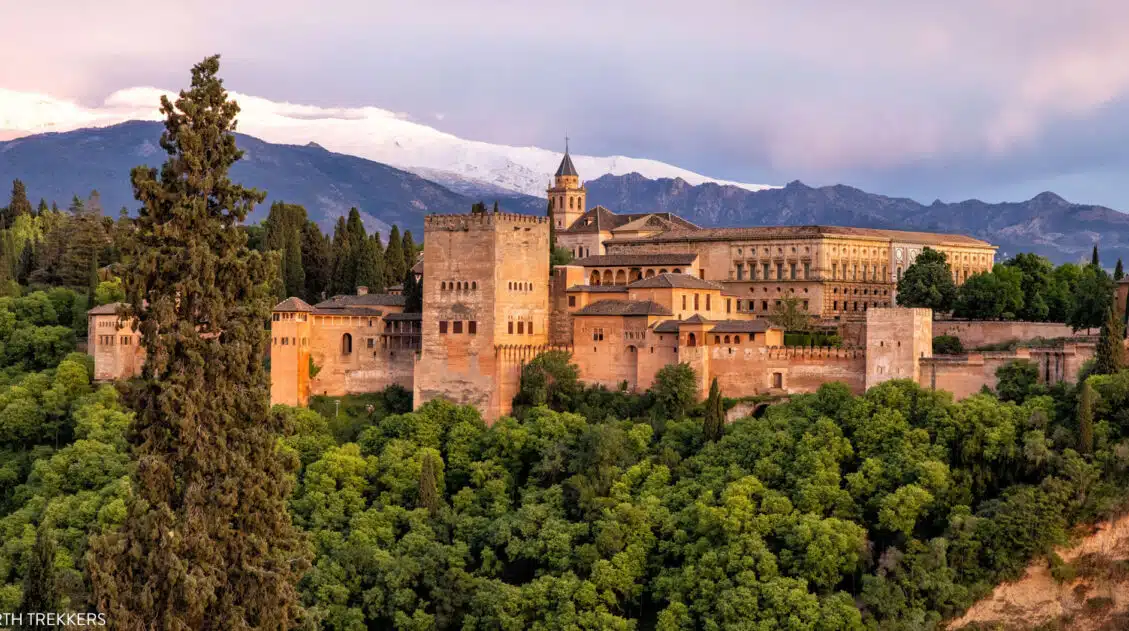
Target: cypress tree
394, 258
207, 542
93, 280
343, 276
429, 484
478, 208
1086, 418
413, 293
42, 207
409, 246
27, 263
714, 425
294, 274
1094, 256
18, 204
495, 205
370, 266
1118, 271
317, 262
40, 593
1110, 354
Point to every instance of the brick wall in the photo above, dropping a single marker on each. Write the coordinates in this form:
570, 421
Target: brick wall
977, 333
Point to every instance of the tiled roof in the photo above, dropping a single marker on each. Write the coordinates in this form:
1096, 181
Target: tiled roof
695, 319
742, 326
624, 308
600, 289
366, 312
636, 260
365, 300
418, 268
293, 304
646, 222
110, 309
670, 280
566, 167
666, 326
810, 232
599, 218
404, 316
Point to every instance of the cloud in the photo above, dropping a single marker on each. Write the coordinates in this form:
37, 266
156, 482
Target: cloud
745, 89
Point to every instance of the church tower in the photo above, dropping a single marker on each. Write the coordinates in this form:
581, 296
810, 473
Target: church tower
566, 196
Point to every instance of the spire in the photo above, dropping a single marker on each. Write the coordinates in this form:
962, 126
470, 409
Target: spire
566, 167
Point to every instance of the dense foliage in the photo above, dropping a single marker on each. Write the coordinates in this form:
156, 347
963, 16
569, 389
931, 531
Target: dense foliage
892, 510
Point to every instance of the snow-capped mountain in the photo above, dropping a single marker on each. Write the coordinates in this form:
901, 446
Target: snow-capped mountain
367, 132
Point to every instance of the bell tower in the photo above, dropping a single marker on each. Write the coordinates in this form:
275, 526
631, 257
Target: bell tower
567, 197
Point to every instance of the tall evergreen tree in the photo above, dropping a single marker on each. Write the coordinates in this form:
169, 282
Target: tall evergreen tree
1118, 271
1109, 356
478, 208
370, 266
27, 263
714, 425
208, 542
1094, 257
17, 205
1086, 418
40, 593
495, 205
409, 246
344, 275
317, 261
42, 207
293, 272
394, 258
429, 484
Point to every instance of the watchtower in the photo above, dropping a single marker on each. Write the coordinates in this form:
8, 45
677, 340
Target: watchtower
567, 198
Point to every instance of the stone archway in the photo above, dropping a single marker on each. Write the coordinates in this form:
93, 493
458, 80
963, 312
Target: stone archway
635, 275
620, 277
595, 279
608, 277
691, 339
650, 273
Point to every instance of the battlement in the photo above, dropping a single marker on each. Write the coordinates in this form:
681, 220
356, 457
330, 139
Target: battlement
526, 352
813, 352
480, 221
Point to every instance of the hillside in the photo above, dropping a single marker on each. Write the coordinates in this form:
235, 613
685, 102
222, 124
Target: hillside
57, 166
1046, 224
1094, 595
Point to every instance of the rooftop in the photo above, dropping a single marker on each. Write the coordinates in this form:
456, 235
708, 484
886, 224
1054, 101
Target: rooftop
636, 260
806, 232
403, 316
293, 304
600, 289
742, 326
363, 300
624, 308
108, 309
566, 167
598, 219
671, 280
366, 312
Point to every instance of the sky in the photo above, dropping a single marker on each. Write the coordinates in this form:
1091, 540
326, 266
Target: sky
994, 99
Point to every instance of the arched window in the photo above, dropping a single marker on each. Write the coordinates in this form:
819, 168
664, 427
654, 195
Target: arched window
620, 277
691, 340
662, 271
717, 340
678, 270
650, 273
595, 280
443, 285
346, 344
608, 277
736, 339
570, 202
726, 339
474, 284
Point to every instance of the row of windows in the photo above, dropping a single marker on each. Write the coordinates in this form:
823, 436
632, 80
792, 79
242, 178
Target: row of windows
520, 286
854, 306
865, 291
717, 339
581, 252
107, 324
696, 302
765, 269
108, 340
298, 317
573, 202
622, 277
869, 272
457, 327
768, 251
458, 285
522, 328
752, 304
289, 341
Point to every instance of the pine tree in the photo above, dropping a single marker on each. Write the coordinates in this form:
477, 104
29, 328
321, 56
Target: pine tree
93, 278
1094, 257
714, 425
208, 542
40, 593
27, 263
409, 246
495, 205
1109, 356
1086, 418
18, 205
42, 207
394, 258
1118, 271
429, 484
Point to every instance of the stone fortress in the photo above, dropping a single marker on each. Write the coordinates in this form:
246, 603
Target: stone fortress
644, 291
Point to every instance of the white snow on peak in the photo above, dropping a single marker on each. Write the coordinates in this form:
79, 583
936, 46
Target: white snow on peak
368, 132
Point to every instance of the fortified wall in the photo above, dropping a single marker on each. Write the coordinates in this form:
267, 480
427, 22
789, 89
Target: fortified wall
965, 375
974, 334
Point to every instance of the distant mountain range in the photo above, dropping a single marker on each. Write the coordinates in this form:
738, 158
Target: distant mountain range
58, 165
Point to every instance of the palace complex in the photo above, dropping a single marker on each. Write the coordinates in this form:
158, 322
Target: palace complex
645, 290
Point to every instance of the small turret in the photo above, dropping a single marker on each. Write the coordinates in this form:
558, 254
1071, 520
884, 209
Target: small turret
567, 198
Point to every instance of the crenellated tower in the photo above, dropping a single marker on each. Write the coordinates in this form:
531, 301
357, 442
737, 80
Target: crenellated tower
567, 197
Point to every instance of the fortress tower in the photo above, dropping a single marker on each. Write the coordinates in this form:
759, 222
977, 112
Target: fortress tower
567, 198
290, 352
486, 290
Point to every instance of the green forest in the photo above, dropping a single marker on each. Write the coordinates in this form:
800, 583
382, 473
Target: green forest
181, 500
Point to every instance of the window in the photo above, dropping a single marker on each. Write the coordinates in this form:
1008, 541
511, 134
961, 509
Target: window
899, 272
684, 301
347, 343
520, 328
717, 339
510, 328
458, 326
727, 306
572, 301
691, 340
707, 302
835, 305
805, 305
276, 317
442, 327
530, 328
807, 270
371, 342
740, 271
598, 335
736, 339
855, 275
696, 302
777, 380
764, 305
834, 271
779, 271
764, 266
792, 271
726, 339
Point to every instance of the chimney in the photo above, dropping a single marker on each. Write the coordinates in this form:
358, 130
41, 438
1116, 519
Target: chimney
362, 290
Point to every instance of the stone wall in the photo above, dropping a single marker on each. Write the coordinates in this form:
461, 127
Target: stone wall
116, 349
394, 367
752, 371
510, 362
976, 333
897, 339
965, 375
560, 320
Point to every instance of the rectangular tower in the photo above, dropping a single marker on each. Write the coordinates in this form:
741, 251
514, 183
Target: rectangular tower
897, 339
290, 352
485, 288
